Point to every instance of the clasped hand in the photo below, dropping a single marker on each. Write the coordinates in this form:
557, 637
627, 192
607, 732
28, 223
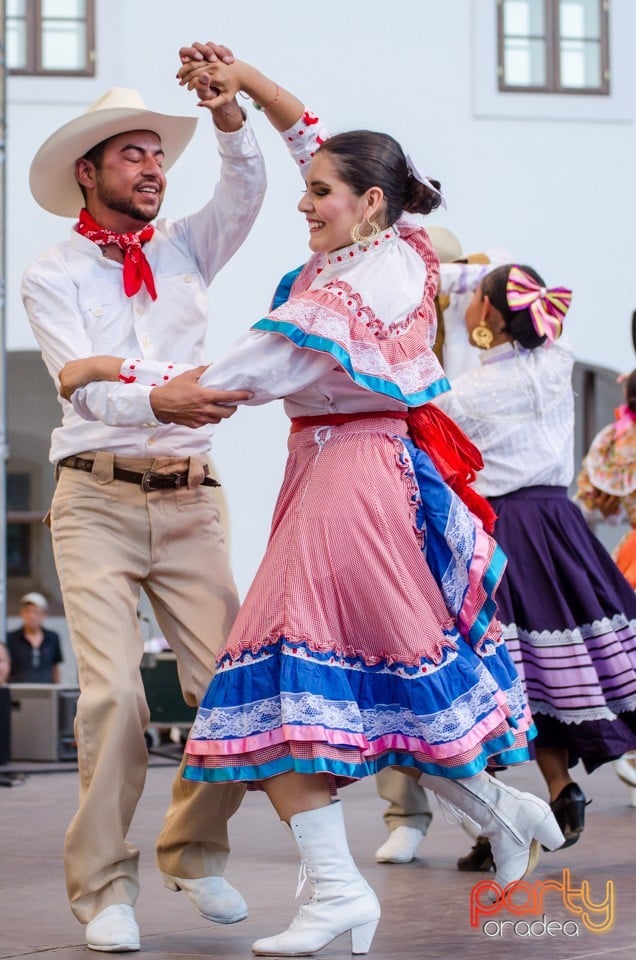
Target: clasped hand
210, 69
182, 400
185, 402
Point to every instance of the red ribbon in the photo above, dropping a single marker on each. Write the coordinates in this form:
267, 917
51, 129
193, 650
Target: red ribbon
137, 270
455, 457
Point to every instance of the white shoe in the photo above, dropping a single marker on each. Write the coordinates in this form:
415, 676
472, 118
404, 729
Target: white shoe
341, 899
625, 770
213, 897
113, 930
400, 846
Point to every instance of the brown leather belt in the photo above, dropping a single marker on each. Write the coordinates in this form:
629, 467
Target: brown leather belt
148, 481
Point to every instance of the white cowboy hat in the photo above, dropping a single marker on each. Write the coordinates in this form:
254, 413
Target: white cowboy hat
445, 243
52, 174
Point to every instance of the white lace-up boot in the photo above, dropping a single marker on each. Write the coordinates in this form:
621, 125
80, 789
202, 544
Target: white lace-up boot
341, 899
515, 823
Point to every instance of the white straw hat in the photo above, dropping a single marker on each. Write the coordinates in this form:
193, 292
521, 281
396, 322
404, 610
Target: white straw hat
445, 243
52, 174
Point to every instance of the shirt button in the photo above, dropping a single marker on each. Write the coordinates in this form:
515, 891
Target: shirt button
146, 342
150, 425
187, 278
139, 311
98, 312
151, 441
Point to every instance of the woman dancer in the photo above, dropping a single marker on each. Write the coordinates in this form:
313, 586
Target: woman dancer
606, 489
568, 615
606, 484
368, 637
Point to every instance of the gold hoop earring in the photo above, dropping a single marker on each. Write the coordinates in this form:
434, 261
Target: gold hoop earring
482, 336
365, 239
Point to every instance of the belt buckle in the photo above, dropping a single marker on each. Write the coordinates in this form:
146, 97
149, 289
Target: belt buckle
146, 481
170, 481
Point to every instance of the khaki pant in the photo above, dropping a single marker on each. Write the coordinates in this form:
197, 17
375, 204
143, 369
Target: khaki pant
111, 540
408, 804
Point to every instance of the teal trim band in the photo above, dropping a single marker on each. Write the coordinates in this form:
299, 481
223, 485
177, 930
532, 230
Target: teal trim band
387, 388
281, 294
498, 746
491, 578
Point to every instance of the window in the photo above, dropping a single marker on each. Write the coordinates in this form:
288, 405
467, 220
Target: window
553, 46
19, 521
51, 37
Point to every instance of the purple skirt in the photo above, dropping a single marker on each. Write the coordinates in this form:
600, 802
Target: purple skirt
569, 620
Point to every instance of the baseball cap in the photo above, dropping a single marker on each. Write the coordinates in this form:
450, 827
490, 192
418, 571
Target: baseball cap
36, 599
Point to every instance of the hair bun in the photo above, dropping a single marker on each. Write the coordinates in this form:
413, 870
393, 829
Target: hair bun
419, 198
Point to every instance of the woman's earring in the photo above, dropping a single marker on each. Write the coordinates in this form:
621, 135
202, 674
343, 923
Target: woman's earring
365, 239
482, 336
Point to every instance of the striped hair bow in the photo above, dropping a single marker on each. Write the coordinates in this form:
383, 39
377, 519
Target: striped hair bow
547, 305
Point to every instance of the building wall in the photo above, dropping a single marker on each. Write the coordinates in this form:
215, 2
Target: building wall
558, 193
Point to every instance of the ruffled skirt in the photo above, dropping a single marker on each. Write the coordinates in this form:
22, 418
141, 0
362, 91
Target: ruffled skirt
368, 637
569, 620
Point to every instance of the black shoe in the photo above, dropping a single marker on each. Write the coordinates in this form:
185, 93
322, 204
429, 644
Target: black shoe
569, 811
11, 779
479, 859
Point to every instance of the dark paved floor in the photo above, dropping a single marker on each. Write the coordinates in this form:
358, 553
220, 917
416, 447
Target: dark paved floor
426, 914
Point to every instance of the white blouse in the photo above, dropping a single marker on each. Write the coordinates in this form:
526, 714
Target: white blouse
312, 383
386, 286
518, 409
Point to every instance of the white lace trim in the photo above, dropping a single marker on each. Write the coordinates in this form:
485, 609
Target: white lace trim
610, 711
411, 375
310, 709
516, 697
459, 534
460, 538
555, 638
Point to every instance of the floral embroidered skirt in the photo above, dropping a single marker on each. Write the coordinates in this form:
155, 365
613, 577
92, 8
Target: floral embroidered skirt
569, 619
368, 637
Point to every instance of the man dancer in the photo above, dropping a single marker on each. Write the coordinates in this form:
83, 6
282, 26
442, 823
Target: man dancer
133, 508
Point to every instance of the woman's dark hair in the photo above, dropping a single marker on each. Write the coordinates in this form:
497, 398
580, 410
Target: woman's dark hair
518, 323
365, 159
630, 391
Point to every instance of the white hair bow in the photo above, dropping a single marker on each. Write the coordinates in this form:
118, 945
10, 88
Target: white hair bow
425, 180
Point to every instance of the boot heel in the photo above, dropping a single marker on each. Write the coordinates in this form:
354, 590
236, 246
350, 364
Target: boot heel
362, 936
575, 816
548, 833
569, 810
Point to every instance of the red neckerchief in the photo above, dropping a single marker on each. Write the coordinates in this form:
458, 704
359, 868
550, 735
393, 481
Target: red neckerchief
137, 270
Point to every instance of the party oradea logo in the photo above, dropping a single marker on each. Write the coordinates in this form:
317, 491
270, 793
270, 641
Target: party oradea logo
522, 909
